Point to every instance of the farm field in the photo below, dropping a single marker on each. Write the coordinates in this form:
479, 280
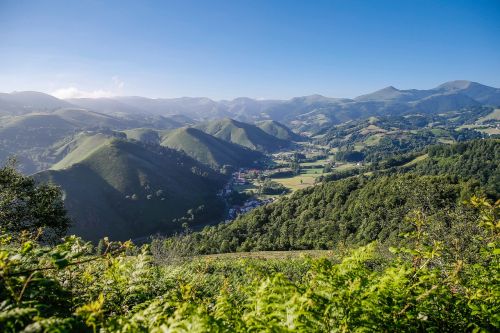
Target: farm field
308, 177
297, 182
490, 131
318, 163
495, 115
345, 166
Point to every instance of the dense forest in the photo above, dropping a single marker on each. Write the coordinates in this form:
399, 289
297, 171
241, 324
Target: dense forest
371, 206
476, 159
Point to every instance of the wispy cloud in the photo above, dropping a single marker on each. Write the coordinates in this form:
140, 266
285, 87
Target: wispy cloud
117, 82
73, 92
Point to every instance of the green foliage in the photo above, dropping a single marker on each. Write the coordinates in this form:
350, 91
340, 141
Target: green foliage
237, 198
28, 207
380, 138
349, 156
418, 287
478, 159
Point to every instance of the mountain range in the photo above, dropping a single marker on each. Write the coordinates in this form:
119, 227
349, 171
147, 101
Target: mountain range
32, 122
300, 113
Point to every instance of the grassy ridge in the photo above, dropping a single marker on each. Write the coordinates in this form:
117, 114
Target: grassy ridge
278, 130
243, 134
208, 149
80, 148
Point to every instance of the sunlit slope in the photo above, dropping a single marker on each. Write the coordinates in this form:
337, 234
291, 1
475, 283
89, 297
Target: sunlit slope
146, 135
208, 149
89, 119
243, 134
34, 130
80, 148
278, 130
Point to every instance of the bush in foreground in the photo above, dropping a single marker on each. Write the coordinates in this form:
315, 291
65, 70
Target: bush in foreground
420, 288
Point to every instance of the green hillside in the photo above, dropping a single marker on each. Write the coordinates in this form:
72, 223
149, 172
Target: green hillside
127, 190
243, 134
34, 130
478, 160
378, 138
30, 137
79, 148
208, 149
34, 137
353, 211
278, 130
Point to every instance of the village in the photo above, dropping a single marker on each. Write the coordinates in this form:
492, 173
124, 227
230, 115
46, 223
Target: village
284, 173
241, 181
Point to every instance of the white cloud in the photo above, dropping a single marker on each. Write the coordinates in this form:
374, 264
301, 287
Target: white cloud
73, 92
116, 89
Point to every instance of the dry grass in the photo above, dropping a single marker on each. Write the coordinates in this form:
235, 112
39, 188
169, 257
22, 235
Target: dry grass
297, 182
416, 160
495, 115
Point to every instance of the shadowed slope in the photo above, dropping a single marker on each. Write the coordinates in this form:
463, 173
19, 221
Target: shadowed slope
127, 190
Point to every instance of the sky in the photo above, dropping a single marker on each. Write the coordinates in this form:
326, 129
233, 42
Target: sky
262, 49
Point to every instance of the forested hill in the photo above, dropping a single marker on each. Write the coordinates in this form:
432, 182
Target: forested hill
478, 159
354, 210
128, 189
361, 209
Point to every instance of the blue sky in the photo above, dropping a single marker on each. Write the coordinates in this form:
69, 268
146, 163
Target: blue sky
260, 49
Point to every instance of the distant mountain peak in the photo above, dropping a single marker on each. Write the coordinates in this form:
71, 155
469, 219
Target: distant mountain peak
456, 85
387, 93
389, 88
315, 96
312, 98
